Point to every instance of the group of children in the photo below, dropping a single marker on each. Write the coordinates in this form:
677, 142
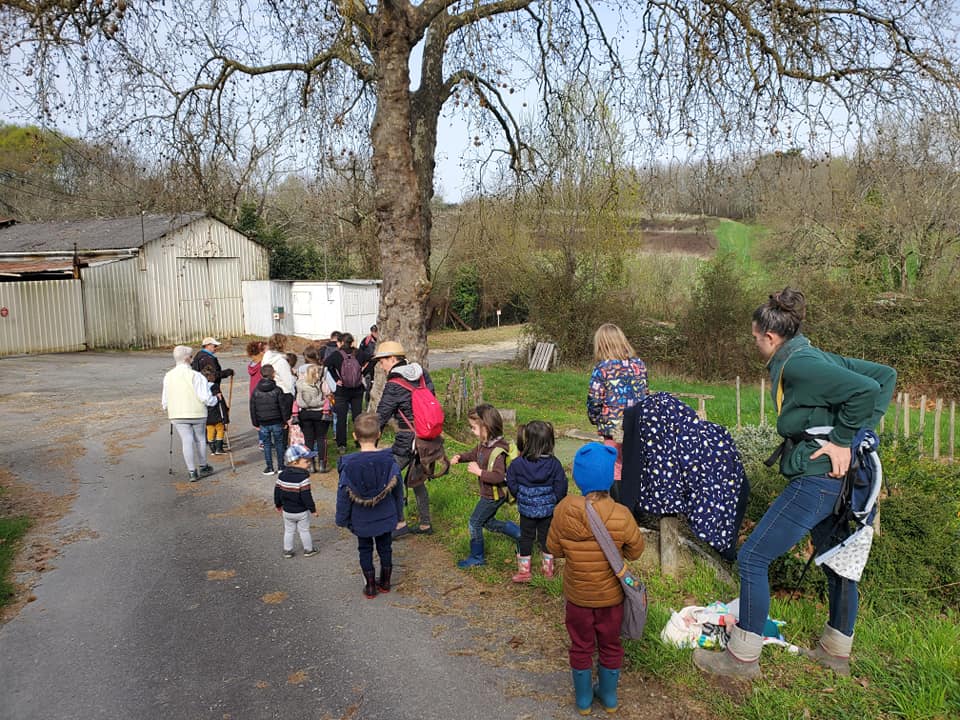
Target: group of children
370, 503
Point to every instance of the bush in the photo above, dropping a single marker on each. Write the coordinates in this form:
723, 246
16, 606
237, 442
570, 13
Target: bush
716, 328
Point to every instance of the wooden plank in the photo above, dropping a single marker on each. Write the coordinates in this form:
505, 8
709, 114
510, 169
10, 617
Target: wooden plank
542, 356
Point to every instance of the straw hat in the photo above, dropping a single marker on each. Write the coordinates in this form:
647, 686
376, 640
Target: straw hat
389, 348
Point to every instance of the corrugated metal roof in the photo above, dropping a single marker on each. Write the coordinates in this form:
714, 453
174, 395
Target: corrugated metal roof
99, 234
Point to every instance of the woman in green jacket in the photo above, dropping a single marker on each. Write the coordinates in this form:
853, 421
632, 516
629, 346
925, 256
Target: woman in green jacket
811, 388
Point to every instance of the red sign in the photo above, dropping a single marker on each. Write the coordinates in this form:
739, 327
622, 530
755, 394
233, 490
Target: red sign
4, 312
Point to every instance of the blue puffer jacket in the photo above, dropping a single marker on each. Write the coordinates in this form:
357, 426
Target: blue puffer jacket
537, 484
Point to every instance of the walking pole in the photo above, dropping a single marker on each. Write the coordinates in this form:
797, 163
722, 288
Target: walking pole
226, 435
229, 405
226, 444
170, 470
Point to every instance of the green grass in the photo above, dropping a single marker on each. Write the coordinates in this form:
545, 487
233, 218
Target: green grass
907, 662
11, 530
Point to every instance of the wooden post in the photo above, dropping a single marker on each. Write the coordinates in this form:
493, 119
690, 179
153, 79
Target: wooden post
702, 408
936, 428
739, 425
906, 416
953, 417
670, 559
763, 397
896, 419
923, 423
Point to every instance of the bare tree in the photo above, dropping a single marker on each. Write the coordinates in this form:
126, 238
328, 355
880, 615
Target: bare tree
705, 67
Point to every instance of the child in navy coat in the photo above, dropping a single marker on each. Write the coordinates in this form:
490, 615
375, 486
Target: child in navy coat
538, 482
370, 501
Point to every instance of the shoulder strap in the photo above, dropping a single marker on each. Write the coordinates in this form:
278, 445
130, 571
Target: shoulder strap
602, 536
406, 384
496, 452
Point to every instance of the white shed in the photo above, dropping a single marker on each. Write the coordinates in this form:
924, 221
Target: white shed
144, 281
310, 309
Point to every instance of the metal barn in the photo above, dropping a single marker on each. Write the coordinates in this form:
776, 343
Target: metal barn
140, 281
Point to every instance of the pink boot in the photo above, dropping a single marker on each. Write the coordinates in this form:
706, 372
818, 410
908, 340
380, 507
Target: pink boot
547, 565
523, 569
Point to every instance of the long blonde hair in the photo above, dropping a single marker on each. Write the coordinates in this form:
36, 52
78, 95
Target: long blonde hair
609, 343
313, 373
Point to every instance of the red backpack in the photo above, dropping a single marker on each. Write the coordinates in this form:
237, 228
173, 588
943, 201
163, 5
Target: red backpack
427, 411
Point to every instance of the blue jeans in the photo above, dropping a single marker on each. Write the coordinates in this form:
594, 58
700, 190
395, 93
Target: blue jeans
483, 517
806, 505
272, 436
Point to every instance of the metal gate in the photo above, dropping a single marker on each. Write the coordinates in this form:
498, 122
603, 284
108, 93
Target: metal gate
209, 297
41, 316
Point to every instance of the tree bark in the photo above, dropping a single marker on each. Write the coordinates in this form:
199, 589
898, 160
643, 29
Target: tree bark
403, 239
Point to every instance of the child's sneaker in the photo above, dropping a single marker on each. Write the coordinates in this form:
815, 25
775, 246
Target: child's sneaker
288, 554
206, 469
194, 476
268, 471
310, 553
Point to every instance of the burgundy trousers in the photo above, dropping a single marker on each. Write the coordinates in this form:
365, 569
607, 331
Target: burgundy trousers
595, 628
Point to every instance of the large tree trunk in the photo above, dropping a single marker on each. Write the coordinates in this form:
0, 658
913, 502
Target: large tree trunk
402, 236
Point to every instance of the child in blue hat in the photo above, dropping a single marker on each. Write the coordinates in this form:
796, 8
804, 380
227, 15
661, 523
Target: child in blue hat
594, 608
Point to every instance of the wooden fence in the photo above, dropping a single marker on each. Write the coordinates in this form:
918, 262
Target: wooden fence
935, 438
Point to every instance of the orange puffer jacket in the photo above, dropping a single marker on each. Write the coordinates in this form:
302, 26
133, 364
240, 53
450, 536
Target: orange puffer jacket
588, 580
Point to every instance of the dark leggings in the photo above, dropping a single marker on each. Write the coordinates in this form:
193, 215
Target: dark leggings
384, 545
315, 430
533, 528
346, 399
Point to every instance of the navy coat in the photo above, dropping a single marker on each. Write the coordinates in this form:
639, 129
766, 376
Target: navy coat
370, 493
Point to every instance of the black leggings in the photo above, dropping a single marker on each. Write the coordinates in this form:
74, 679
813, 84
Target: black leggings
315, 431
346, 399
384, 545
531, 528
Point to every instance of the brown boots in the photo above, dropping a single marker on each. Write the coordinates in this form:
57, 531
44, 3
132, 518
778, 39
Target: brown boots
739, 661
832, 651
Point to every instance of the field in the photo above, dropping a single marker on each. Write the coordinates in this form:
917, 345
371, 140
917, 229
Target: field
907, 656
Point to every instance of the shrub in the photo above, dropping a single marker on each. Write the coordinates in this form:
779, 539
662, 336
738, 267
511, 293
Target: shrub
915, 556
716, 328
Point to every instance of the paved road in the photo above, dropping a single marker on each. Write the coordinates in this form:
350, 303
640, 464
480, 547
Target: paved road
171, 600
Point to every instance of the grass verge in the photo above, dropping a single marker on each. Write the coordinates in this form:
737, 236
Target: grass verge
907, 655
11, 530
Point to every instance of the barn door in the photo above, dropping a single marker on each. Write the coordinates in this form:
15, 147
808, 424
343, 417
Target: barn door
210, 298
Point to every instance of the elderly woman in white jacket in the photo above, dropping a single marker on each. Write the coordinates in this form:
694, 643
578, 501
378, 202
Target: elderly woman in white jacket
186, 397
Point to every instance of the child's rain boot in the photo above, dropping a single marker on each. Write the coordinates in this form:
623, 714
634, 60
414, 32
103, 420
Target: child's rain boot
740, 660
547, 566
218, 447
476, 555
832, 651
384, 583
583, 690
606, 687
370, 589
523, 569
